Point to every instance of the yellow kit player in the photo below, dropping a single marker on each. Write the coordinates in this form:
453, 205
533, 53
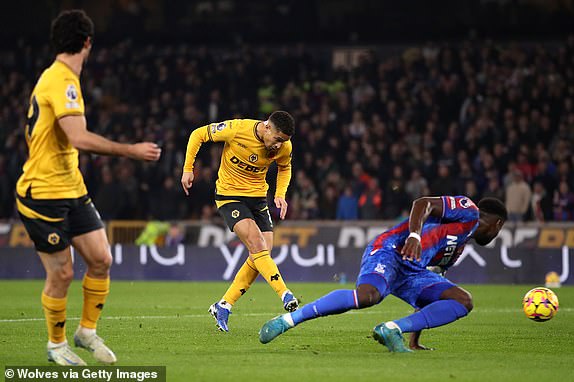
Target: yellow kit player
52, 199
251, 146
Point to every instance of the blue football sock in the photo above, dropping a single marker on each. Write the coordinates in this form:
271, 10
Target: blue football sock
336, 302
436, 314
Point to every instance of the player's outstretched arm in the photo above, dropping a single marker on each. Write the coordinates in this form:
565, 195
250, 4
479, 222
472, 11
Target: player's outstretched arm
422, 208
74, 126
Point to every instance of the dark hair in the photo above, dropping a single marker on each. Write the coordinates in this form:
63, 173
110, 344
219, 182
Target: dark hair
70, 31
283, 121
493, 206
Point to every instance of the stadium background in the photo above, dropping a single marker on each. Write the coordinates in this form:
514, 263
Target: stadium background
390, 105
393, 100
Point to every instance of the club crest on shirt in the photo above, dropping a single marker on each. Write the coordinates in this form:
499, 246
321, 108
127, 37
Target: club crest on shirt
380, 268
253, 158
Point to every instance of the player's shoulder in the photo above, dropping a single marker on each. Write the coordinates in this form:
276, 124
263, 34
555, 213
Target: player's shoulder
287, 146
248, 124
235, 124
59, 71
58, 76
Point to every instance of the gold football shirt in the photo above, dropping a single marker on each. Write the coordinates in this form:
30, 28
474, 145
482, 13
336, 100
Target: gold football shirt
244, 161
51, 171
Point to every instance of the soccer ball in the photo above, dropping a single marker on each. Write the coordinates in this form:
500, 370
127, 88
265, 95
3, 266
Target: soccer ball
540, 304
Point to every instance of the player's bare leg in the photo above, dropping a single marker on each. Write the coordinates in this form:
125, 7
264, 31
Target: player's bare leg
59, 275
94, 249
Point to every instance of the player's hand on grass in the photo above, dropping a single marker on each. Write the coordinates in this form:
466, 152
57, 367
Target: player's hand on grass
144, 151
412, 249
414, 341
282, 204
186, 181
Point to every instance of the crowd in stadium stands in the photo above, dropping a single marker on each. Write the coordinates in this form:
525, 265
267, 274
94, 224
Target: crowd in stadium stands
475, 118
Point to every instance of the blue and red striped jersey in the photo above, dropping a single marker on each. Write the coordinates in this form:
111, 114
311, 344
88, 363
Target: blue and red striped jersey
442, 239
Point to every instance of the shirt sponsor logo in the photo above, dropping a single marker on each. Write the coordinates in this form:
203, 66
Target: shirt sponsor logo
246, 166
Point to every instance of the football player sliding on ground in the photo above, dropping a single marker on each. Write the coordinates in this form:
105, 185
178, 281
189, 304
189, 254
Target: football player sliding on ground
395, 263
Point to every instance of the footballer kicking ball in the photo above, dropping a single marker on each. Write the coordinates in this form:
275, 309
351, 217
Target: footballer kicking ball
540, 304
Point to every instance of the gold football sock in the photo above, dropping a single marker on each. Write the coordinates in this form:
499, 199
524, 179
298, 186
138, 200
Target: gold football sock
241, 283
268, 269
55, 313
95, 293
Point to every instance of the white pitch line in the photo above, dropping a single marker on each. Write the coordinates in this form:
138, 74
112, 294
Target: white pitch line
476, 311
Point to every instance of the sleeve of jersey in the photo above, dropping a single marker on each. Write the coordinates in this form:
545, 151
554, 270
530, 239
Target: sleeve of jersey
459, 209
283, 171
65, 97
215, 132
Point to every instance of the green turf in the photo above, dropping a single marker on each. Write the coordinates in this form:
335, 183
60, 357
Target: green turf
153, 323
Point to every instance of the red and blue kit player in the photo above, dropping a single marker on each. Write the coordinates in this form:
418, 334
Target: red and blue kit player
396, 261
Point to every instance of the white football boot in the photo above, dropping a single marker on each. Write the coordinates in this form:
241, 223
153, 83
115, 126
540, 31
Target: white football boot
63, 355
95, 345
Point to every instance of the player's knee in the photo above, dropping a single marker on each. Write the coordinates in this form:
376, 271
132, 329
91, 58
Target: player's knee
255, 244
101, 264
465, 299
62, 276
367, 295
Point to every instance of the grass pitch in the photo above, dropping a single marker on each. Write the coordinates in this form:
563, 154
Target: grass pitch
167, 324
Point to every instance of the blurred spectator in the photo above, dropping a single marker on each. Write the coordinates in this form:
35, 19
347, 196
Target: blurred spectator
347, 206
417, 185
444, 183
328, 203
395, 198
541, 203
106, 200
174, 235
517, 197
370, 201
563, 203
305, 198
493, 189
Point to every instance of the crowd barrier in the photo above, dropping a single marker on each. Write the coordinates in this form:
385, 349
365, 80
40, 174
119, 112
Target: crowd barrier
305, 251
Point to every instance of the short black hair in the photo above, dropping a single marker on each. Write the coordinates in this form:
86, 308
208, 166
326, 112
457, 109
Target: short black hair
70, 30
493, 206
283, 121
